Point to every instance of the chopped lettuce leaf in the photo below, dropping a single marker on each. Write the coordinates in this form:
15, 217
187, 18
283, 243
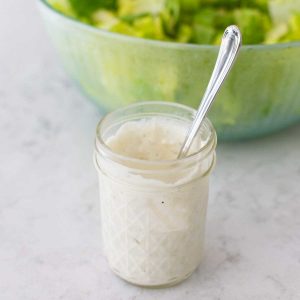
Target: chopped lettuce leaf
170, 16
125, 28
86, 7
253, 25
294, 27
137, 7
203, 34
149, 27
184, 34
104, 19
189, 5
277, 33
206, 17
64, 6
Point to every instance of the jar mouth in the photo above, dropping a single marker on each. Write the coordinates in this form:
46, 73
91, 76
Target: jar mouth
104, 149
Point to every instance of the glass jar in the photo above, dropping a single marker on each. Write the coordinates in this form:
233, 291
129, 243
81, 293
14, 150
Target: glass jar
153, 212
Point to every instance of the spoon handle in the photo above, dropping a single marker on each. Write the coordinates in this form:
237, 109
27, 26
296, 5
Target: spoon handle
230, 46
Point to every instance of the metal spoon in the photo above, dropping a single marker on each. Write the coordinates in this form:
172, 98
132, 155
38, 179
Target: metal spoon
229, 49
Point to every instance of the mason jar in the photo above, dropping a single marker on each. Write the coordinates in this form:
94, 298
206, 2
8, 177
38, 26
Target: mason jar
153, 211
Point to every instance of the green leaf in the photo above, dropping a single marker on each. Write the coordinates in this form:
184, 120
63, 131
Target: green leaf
86, 7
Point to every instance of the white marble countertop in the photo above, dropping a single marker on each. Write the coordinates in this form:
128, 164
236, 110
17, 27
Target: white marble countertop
50, 246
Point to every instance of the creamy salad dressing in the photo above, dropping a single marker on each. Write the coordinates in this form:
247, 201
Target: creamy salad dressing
155, 138
153, 223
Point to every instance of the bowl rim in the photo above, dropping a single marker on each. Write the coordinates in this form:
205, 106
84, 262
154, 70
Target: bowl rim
166, 44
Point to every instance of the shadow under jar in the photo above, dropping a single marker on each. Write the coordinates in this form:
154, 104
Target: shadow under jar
153, 211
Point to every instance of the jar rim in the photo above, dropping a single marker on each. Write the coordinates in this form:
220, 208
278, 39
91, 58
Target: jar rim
101, 146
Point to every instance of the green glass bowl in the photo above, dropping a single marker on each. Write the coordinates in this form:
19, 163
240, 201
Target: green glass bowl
261, 94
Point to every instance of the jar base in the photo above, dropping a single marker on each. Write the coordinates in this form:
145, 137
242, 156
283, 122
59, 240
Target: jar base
155, 286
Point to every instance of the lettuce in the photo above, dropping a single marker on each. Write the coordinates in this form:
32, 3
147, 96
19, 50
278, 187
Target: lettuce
64, 6
253, 25
186, 21
84, 8
294, 27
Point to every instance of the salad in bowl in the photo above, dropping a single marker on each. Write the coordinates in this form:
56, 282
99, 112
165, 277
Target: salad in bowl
123, 51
